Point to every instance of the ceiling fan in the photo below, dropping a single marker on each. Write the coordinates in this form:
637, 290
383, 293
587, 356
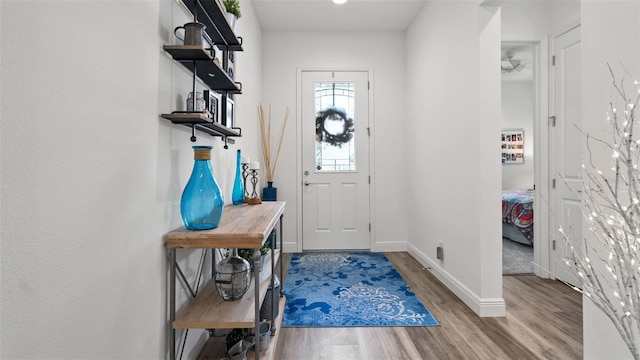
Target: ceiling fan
509, 65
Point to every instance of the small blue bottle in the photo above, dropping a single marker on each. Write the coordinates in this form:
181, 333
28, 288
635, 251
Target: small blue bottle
237, 196
202, 204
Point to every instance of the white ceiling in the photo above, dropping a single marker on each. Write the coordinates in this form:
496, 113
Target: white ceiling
324, 15
363, 15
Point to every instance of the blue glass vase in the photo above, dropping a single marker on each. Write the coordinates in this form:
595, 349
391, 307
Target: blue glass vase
237, 196
270, 193
202, 203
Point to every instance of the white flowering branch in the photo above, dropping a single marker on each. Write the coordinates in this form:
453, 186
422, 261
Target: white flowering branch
606, 257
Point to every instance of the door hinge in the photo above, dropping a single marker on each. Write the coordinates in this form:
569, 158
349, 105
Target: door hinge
368, 85
369, 179
553, 245
369, 227
553, 183
552, 120
553, 60
369, 131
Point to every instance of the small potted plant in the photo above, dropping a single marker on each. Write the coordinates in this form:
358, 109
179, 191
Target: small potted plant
236, 345
247, 254
233, 11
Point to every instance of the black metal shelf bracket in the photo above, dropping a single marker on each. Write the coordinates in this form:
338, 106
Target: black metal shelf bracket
193, 133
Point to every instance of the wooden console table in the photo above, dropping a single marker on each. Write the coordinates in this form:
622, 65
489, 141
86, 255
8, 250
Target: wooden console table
243, 226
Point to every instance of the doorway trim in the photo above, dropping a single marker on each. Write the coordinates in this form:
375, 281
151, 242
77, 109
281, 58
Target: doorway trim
541, 77
299, 180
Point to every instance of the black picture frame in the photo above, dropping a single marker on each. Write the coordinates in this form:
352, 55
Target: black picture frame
212, 104
228, 112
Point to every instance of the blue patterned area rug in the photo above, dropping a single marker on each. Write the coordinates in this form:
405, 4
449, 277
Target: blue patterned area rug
349, 290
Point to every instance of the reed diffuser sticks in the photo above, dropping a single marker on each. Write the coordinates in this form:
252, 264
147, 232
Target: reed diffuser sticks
270, 159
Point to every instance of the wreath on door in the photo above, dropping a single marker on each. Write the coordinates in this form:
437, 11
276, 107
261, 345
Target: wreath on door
334, 127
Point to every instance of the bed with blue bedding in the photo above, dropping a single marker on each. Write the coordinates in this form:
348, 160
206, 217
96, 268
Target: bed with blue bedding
517, 216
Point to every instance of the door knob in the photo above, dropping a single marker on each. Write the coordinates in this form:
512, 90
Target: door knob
306, 183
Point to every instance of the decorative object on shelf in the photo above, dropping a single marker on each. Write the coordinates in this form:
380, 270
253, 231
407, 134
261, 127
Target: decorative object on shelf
247, 254
233, 11
334, 127
227, 118
233, 276
270, 193
268, 311
239, 350
264, 337
198, 101
605, 255
202, 203
236, 335
212, 104
193, 33
245, 174
229, 64
237, 196
237, 346
254, 167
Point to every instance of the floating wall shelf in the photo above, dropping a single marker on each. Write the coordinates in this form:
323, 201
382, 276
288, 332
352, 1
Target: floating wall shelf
213, 16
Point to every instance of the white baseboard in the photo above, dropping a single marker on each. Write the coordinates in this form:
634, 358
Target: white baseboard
541, 272
484, 307
389, 247
292, 247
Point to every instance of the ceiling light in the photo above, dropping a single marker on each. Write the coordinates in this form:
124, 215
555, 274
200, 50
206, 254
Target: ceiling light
339, 1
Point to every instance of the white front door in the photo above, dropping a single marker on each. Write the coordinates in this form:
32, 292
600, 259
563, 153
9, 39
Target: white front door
335, 160
567, 155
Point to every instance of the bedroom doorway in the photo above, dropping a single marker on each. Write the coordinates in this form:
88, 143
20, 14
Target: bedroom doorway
519, 103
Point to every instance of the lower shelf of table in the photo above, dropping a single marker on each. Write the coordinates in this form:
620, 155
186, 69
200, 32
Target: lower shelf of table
209, 311
215, 347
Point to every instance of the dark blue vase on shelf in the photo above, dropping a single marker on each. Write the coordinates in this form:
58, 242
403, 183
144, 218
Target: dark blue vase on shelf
270, 193
202, 204
237, 196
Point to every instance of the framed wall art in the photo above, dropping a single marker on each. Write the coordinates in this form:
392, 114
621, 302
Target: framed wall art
227, 117
212, 104
512, 141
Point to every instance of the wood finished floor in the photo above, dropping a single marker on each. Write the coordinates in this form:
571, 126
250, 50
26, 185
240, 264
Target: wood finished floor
544, 321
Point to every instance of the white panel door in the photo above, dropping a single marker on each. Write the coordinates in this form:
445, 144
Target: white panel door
335, 160
567, 154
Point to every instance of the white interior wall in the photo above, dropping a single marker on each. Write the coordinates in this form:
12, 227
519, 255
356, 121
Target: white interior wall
525, 20
453, 145
92, 176
517, 113
489, 108
283, 53
610, 34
